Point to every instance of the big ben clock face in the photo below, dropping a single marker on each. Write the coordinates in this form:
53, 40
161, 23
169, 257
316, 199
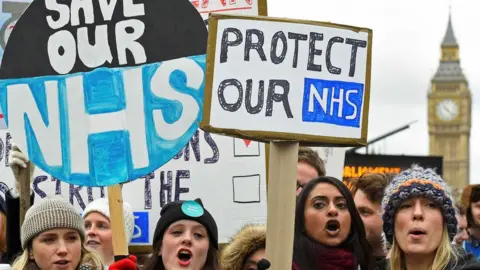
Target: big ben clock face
447, 110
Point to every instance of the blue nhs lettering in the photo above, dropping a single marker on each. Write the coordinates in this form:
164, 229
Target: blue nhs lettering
332, 102
106, 126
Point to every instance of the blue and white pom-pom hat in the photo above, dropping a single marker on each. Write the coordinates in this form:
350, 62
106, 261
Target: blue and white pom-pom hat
418, 182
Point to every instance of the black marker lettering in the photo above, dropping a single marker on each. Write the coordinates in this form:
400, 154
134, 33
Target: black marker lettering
90, 194
221, 97
258, 46
148, 190
331, 68
181, 174
165, 186
272, 96
248, 97
75, 192
8, 149
296, 37
216, 154
194, 141
37, 180
2, 149
312, 52
226, 43
353, 58
58, 186
273, 51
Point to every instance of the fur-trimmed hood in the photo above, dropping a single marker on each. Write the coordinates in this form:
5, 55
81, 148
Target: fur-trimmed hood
246, 242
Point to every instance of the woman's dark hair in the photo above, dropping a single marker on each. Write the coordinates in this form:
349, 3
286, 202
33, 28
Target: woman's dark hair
155, 261
306, 249
474, 197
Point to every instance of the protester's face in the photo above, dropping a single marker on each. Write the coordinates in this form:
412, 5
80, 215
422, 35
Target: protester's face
305, 173
99, 234
327, 219
57, 249
476, 212
252, 260
184, 246
462, 234
418, 226
372, 217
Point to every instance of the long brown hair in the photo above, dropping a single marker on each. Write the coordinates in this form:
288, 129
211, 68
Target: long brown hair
3, 233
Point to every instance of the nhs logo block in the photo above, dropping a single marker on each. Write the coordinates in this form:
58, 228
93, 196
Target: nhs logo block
141, 228
332, 102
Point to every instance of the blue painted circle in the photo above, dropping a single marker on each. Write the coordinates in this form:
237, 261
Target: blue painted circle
152, 100
192, 209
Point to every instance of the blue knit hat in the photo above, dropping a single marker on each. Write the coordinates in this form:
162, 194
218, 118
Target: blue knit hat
417, 182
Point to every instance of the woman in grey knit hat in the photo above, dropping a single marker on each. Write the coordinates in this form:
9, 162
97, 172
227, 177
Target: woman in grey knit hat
419, 222
53, 237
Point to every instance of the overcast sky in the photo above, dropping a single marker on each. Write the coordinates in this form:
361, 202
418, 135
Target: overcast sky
406, 52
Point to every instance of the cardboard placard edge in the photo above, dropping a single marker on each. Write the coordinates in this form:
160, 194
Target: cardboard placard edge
268, 136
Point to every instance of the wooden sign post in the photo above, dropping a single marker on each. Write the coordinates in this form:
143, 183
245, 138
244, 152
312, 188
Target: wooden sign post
104, 94
286, 82
24, 188
115, 203
281, 203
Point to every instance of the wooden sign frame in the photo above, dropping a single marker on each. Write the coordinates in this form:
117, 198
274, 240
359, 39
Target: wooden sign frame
268, 136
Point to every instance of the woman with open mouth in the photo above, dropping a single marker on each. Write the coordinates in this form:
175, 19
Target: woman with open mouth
52, 237
186, 237
420, 223
98, 228
329, 233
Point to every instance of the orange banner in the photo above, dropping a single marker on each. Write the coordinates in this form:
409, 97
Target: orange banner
357, 171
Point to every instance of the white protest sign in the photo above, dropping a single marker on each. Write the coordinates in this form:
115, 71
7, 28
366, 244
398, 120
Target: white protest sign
228, 174
278, 79
239, 7
334, 160
104, 113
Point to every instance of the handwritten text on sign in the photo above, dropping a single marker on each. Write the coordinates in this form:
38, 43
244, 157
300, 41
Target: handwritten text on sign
289, 77
110, 102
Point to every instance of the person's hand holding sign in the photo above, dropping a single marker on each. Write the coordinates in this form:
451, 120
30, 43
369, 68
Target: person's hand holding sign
18, 163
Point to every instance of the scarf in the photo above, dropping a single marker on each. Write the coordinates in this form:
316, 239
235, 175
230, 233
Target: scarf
333, 259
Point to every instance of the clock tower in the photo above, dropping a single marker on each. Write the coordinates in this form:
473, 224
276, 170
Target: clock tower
449, 114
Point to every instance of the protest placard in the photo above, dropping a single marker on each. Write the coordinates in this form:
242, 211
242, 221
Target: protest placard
279, 79
237, 7
207, 165
98, 93
286, 82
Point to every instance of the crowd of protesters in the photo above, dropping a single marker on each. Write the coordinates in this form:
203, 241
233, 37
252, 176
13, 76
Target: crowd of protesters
407, 221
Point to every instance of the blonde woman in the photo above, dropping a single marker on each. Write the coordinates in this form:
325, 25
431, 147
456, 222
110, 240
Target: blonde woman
53, 237
420, 223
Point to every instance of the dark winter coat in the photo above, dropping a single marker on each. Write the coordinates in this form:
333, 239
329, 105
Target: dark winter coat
14, 247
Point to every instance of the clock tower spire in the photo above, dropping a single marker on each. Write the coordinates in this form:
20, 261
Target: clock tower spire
449, 113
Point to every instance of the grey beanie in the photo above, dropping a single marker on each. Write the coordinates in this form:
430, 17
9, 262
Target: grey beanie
50, 213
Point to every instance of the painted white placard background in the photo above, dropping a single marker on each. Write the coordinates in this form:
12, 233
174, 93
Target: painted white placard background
256, 69
233, 189
334, 159
238, 7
